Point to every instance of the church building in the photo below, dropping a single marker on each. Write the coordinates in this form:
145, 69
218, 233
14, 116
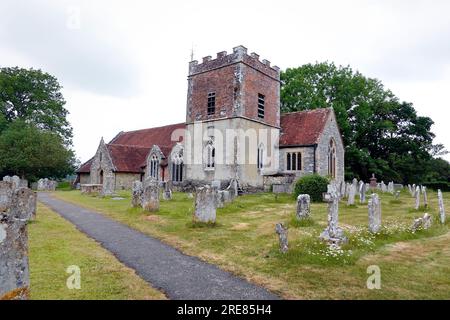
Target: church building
233, 130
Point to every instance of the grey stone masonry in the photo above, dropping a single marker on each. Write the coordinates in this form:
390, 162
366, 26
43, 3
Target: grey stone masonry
374, 213
150, 195
167, 193
441, 207
136, 199
333, 234
46, 185
303, 206
205, 204
17, 207
282, 232
421, 223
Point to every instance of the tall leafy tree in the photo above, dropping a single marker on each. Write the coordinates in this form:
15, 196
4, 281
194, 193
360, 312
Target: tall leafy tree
35, 97
33, 153
382, 135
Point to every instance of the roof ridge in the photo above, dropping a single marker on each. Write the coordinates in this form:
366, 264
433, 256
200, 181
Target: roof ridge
126, 145
167, 125
309, 110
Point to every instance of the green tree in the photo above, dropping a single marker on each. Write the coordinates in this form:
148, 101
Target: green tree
35, 97
382, 135
31, 152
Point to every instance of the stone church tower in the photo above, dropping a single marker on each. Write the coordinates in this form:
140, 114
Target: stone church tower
232, 118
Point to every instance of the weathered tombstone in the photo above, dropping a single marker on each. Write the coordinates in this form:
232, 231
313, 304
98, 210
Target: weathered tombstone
362, 192
397, 195
421, 223
220, 199
167, 193
417, 196
374, 213
391, 187
425, 197
23, 183
383, 187
347, 189
283, 237
190, 195
136, 198
333, 234
215, 184
205, 204
303, 206
16, 208
150, 196
351, 194
226, 196
441, 207
15, 180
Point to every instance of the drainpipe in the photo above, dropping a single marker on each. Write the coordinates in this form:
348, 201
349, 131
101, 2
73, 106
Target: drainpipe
314, 158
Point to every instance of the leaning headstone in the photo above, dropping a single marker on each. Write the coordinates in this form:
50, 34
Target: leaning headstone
150, 196
421, 223
333, 234
303, 206
362, 192
374, 213
205, 204
16, 209
417, 196
283, 237
425, 197
441, 207
136, 198
351, 194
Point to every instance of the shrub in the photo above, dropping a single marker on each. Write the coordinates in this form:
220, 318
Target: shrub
313, 184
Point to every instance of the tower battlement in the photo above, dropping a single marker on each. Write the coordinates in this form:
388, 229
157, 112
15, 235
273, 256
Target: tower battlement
239, 55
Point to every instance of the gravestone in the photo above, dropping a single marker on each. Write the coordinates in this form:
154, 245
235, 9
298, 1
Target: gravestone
17, 207
342, 189
347, 189
351, 194
220, 199
167, 193
7, 178
397, 195
425, 197
205, 204
136, 198
190, 195
383, 187
362, 192
46, 185
373, 182
417, 196
282, 232
333, 234
391, 187
303, 206
15, 180
410, 190
374, 208
441, 207
421, 223
150, 196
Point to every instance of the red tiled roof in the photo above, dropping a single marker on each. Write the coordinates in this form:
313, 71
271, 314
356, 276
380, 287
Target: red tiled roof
303, 127
127, 158
85, 167
160, 136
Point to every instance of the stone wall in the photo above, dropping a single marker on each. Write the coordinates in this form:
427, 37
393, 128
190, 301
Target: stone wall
331, 131
124, 181
85, 178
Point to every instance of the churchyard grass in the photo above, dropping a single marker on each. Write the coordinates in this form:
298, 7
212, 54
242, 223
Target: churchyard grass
243, 241
55, 244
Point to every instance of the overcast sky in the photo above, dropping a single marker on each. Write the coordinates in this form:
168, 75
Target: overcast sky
123, 64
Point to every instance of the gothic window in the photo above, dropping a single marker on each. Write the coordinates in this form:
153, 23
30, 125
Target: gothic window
177, 168
260, 157
294, 161
154, 167
211, 103
210, 156
332, 159
261, 103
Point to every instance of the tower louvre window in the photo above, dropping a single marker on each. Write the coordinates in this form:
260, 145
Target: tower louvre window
261, 102
211, 103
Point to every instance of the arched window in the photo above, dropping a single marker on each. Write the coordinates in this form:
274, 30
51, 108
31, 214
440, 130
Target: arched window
154, 167
177, 167
260, 161
210, 156
332, 159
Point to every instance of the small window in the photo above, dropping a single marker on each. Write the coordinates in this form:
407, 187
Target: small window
294, 161
210, 157
211, 103
261, 99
